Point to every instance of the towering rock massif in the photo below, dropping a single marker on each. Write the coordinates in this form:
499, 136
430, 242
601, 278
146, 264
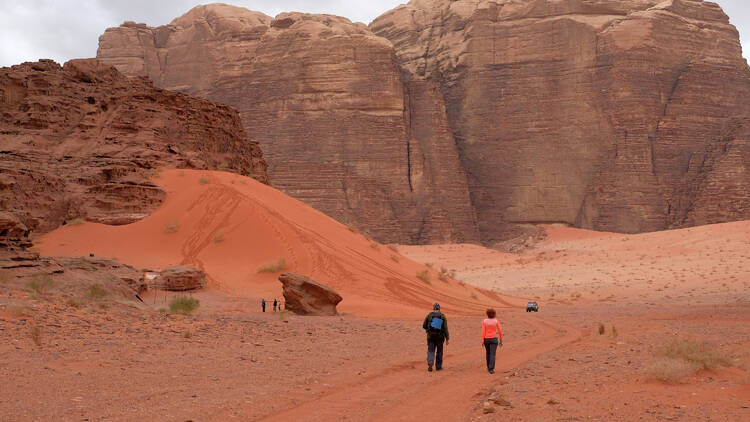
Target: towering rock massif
626, 116
340, 125
445, 116
80, 141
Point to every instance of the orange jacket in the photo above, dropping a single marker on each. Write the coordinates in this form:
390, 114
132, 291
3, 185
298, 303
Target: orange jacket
491, 329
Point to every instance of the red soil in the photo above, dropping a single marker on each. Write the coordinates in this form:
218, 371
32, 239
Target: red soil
230, 225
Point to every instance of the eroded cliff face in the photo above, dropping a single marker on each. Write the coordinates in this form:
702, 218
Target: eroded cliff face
80, 141
445, 119
624, 116
343, 129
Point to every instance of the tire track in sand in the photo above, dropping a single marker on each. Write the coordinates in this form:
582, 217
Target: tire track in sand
406, 392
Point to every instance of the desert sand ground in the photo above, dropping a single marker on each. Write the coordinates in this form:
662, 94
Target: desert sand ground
71, 357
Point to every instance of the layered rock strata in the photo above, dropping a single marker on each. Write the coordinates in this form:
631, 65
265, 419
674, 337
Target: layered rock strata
624, 116
445, 119
80, 142
342, 127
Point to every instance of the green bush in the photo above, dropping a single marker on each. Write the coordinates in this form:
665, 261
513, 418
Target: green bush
183, 305
273, 267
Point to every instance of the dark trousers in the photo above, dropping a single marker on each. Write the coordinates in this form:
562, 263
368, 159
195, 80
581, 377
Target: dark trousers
490, 345
435, 343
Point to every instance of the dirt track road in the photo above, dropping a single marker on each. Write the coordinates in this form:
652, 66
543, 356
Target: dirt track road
407, 392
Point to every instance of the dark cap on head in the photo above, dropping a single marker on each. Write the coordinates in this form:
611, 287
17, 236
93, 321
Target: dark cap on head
436, 307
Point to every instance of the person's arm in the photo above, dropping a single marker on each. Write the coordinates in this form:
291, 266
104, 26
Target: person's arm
499, 333
424, 324
445, 328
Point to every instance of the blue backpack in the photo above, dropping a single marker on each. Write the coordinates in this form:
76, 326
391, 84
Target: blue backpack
436, 323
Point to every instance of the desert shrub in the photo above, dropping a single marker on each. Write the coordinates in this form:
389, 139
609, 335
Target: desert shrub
218, 237
273, 267
614, 332
36, 334
683, 357
183, 305
428, 264
204, 180
83, 265
444, 275
393, 248
75, 222
171, 227
97, 291
187, 334
73, 303
374, 245
424, 275
602, 330
41, 284
395, 259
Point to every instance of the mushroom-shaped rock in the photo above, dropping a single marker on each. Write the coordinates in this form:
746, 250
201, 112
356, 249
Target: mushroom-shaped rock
180, 279
305, 296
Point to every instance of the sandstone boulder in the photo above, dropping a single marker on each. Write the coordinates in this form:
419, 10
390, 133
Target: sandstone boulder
305, 296
179, 279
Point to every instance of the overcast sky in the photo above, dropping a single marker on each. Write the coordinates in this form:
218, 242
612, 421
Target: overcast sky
67, 29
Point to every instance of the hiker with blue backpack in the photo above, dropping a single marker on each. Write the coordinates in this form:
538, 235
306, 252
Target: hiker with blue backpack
436, 327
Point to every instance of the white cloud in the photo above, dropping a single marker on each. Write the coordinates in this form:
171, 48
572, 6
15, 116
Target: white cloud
66, 29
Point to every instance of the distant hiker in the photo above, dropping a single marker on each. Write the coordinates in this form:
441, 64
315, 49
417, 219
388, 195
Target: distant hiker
491, 338
263, 304
436, 327
275, 304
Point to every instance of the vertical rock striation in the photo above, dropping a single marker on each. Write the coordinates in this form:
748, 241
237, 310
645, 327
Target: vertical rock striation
447, 119
342, 127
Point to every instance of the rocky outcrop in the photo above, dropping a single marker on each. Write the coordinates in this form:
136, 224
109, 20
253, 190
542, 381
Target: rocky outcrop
305, 296
624, 116
80, 142
179, 279
445, 119
343, 129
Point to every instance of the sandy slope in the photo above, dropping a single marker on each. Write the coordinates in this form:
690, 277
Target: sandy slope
708, 264
230, 225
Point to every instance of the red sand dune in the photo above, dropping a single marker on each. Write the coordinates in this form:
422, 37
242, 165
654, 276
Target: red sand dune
232, 225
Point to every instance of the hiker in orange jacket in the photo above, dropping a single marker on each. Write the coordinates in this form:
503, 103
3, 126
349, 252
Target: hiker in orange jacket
492, 337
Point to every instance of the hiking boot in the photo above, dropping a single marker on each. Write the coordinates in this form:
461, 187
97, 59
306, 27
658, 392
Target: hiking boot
492, 371
429, 368
439, 369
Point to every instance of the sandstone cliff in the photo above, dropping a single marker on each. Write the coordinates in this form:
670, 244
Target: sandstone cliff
448, 116
625, 116
80, 141
341, 126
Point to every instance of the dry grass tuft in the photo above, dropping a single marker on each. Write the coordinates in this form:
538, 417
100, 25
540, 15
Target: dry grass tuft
75, 222
374, 245
97, 291
183, 305
41, 284
395, 259
393, 248
218, 237
36, 334
683, 357
424, 275
273, 267
171, 227
602, 330
204, 180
